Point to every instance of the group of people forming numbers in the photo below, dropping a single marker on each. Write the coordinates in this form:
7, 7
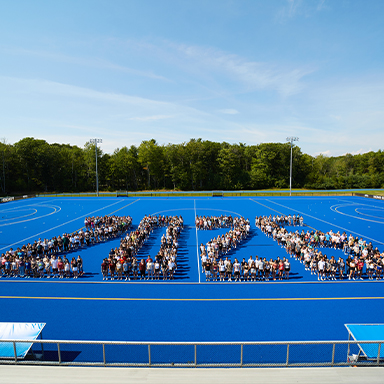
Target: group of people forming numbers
258, 269
46, 258
217, 266
46, 267
123, 263
361, 260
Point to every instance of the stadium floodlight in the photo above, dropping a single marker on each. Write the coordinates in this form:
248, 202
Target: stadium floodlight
291, 140
3, 174
95, 141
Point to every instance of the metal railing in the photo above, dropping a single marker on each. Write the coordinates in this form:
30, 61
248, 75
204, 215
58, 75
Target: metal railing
196, 354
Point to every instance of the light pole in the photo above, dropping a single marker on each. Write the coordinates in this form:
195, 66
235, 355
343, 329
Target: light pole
95, 141
3, 174
291, 140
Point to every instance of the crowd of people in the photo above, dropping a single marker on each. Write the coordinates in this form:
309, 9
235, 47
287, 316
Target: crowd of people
123, 262
46, 258
361, 259
216, 265
213, 222
221, 245
36, 267
258, 269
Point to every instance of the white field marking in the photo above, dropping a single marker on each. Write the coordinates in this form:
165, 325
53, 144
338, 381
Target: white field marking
373, 201
27, 201
200, 209
55, 210
45, 204
34, 211
266, 206
15, 209
299, 198
354, 202
357, 210
331, 224
335, 209
29, 204
60, 225
348, 201
37, 204
104, 199
171, 210
40, 202
117, 210
197, 243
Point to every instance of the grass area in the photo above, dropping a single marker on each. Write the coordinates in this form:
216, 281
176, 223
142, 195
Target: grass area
379, 192
270, 192
286, 193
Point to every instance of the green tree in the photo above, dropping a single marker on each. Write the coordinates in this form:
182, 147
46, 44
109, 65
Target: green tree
35, 158
232, 165
124, 168
151, 158
270, 166
177, 165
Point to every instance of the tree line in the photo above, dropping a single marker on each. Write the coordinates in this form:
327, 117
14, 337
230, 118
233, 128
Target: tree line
33, 166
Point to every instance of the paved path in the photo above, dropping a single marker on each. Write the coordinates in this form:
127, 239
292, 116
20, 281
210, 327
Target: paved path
80, 375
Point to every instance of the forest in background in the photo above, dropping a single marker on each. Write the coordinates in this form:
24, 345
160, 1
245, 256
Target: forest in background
34, 166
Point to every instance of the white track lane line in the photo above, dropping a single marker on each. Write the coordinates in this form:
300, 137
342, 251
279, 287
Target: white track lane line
197, 242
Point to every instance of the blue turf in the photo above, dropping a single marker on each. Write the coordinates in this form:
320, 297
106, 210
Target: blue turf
186, 310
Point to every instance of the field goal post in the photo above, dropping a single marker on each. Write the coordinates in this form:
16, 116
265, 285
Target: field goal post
121, 193
217, 194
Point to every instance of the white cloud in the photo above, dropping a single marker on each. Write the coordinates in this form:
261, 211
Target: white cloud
151, 118
293, 8
30, 87
94, 62
252, 75
358, 152
219, 72
46, 109
321, 5
326, 153
289, 10
229, 111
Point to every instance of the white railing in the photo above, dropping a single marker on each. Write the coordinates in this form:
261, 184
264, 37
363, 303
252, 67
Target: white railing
196, 354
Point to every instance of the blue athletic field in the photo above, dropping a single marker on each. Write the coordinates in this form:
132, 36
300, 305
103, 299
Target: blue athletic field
188, 308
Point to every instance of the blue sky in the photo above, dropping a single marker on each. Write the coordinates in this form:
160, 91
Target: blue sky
235, 71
